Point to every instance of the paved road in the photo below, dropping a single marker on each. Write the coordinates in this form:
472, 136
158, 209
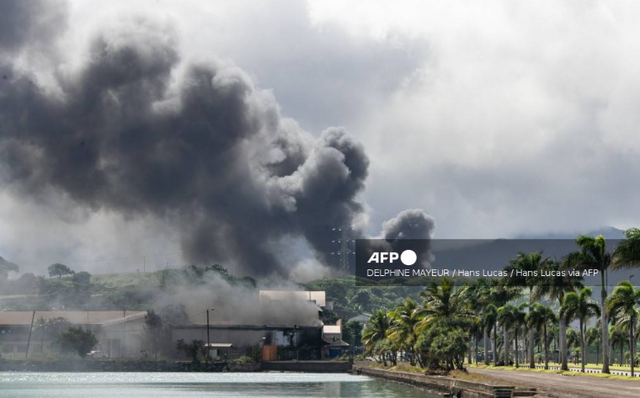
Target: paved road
556, 385
587, 370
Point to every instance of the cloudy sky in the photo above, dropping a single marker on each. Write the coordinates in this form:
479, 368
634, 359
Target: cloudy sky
496, 118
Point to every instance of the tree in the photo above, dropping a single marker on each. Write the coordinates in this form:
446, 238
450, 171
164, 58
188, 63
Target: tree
375, 331
555, 287
403, 328
363, 298
59, 270
77, 340
593, 336
50, 329
444, 301
627, 254
573, 340
506, 317
82, 278
519, 321
622, 306
580, 306
352, 333
447, 307
594, 255
539, 318
489, 318
618, 337
153, 330
6, 267
527, 264
191, 349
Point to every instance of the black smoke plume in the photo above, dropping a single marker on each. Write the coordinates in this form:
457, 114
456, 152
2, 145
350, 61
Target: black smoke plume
140, 131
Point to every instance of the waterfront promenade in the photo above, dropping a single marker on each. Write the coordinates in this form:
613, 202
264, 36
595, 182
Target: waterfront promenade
557, 385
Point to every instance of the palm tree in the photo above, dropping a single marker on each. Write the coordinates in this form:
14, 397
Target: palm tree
519, 321
572, 339
618, 337
376, 330
444, 302
627, 254
492, 293
403, 328
580, 306
506, 317
622, 305
594, 255
489, 318
555, 287
527, 264
477, 295
593, 336
539, 318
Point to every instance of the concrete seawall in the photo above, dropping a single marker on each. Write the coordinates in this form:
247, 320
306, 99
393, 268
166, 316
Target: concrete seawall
307, 366
168, 366
445, 385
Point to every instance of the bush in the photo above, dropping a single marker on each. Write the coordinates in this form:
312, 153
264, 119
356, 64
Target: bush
77, 340
244, 359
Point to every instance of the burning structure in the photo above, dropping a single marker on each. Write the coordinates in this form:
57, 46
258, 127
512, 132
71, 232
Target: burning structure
284, 338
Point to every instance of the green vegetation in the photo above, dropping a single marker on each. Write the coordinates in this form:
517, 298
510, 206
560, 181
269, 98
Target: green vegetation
78, 341
493, 310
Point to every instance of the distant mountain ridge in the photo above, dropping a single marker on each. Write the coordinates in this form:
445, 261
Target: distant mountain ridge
607, 232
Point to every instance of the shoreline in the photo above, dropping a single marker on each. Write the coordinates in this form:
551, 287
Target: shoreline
174, 366
446, 386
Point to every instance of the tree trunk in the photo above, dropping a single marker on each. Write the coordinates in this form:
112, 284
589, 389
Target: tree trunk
485, 339
532, 338
621, 353
546, 348
582, 345
476, 341
631, 346
469, 350
516, 348
495, 344
506, 345
605, 327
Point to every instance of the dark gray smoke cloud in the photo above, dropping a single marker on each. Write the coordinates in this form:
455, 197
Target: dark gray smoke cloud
409, 224
139, 131
30, 23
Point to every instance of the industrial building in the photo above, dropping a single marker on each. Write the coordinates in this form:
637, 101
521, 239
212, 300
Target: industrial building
301, 338
119, 333
286, 334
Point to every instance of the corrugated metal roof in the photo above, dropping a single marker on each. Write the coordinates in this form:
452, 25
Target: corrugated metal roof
319, 297
219, 345
332, 329
74, 317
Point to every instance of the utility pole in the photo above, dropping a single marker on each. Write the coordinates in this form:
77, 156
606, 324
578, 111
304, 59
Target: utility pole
33, 317
208, 337
345, 251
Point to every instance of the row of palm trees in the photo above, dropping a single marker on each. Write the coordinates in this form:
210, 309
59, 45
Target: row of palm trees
564, 289
488, 308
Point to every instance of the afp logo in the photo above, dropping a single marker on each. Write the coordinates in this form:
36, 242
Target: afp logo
407, 257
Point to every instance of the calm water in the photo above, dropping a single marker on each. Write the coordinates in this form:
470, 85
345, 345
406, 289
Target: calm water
179, 385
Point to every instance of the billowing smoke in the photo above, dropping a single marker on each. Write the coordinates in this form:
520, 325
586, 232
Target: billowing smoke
411, 229
409, 224
139, 131
30, 23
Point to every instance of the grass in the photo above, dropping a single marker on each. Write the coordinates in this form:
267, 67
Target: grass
128, 279
564, 373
